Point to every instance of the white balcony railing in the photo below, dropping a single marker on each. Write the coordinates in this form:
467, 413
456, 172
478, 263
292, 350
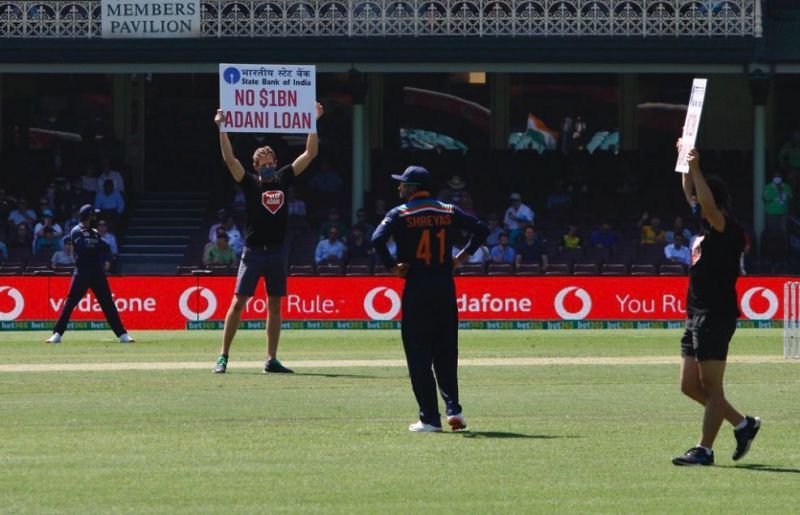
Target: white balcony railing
415, 18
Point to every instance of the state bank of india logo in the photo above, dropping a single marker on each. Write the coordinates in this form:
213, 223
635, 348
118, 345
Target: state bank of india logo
388, 293
19, 304
189, 313
586, 303
769, 295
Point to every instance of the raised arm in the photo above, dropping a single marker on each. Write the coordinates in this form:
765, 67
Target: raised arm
704, 196
233, 164
686, 181
312, 143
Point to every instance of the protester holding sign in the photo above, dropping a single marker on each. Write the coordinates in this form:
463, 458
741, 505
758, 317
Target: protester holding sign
265, 253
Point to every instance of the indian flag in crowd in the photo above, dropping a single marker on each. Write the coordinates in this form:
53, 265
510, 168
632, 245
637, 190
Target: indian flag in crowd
539, 132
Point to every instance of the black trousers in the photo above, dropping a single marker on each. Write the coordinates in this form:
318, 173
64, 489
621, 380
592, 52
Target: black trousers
430, 339
99, 285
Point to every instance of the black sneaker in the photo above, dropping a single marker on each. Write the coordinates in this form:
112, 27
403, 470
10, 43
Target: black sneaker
273, 366
695, 456
221, 365
744, 436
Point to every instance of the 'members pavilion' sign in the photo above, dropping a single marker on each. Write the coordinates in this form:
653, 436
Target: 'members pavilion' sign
151, 19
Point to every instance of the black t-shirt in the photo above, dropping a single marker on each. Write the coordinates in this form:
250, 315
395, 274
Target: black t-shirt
714, 270
266, 208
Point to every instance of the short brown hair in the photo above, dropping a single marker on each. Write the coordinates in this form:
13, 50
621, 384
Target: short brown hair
264, 150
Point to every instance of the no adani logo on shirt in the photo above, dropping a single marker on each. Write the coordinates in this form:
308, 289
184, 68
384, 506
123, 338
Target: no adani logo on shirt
268, 98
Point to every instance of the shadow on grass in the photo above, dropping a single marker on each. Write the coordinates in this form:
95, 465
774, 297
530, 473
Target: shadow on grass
505, 434
310, 374
758, 467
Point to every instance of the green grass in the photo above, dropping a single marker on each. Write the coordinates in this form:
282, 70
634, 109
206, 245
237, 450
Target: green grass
567, 438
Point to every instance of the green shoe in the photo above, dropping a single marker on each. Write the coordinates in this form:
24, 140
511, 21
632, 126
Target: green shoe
222, 364
273, 366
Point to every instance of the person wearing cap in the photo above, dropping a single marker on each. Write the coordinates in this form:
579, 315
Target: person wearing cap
425, 230
265, 252
47, 221
219, 252
517, 216
47, 242
92, 261
456, 192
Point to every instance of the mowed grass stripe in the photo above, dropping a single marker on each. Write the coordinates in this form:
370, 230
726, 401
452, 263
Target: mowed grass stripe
484, 362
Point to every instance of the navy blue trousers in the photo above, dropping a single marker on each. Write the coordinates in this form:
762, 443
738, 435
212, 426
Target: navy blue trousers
430, 340
77, 289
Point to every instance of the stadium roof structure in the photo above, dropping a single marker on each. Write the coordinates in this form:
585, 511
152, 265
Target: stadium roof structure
386, 35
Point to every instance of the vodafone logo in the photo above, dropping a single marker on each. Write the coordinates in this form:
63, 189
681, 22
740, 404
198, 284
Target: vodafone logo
586, 304
369, 303
19, 304
769, 295
189, 313
272, 200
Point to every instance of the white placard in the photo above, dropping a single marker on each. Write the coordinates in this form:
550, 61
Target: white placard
692, 123
150, 18
278, 98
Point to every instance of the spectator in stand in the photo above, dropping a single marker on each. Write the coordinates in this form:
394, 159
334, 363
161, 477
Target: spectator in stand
22, 215
297, 208
64, 256
571, 239
7, 204
222, 215
334, 220
503, 252
79, 196
109, 238
50, 195
47, 242
330, 250
110, 203
455, 192
359, 250
220, 252
677, 251
22, 238
777, 201
517, 216
361, 219
531, 250
47, 221
106, 173
72, 221
89, 179
465, 204
480, 257
604, 236
326, 180
678, 228
44, 205
234, 236
651, 231
379, 213
494, 230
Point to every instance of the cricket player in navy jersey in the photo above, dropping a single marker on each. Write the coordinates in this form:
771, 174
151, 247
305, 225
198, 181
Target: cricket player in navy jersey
265, 250
425, 229
92, 261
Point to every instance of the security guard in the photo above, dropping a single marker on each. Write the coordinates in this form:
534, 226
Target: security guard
92, 260
424, 229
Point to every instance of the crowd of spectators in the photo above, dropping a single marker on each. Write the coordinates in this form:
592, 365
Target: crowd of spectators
38, 233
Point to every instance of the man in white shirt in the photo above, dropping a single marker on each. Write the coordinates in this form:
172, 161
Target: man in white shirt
330, 250
107, 173
677, 251
517, 216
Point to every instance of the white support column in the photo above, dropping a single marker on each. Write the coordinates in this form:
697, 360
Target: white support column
360, 144
759, 90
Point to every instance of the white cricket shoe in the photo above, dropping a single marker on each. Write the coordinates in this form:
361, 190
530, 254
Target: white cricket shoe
421, 427
125, 338
56, 338
457, 422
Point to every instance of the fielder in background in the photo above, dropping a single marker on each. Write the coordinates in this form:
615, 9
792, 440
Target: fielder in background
92, 261
265, 251
425, 229
712, 311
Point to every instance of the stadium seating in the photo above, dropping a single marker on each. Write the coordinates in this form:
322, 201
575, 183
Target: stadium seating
472, 269
672, 269
501, 269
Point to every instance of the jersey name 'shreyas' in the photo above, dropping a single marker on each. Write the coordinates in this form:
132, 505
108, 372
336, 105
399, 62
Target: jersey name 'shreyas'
425, 231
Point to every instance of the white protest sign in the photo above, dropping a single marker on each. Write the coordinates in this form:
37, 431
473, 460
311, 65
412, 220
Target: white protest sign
268, 98
692, 123
150, 19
